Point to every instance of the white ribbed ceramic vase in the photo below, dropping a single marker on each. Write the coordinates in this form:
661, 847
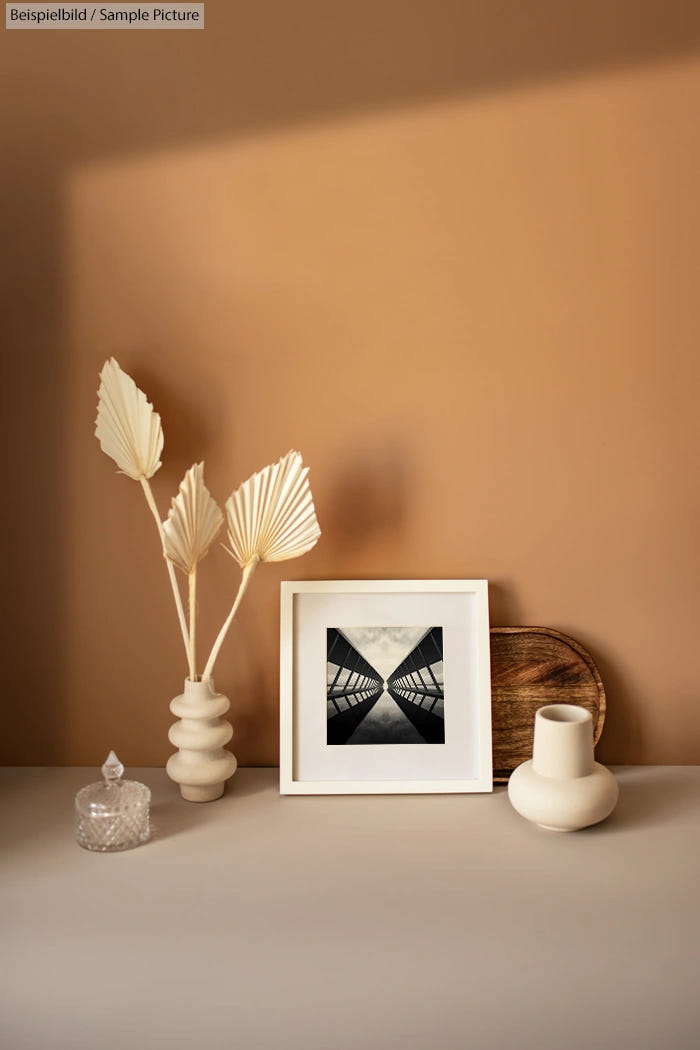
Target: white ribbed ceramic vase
202, 765
562, 788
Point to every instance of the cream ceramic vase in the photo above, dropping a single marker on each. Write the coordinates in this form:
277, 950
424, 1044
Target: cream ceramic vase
202, 765
562, 788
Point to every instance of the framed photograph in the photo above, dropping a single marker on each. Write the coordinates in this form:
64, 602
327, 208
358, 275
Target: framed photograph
385, 687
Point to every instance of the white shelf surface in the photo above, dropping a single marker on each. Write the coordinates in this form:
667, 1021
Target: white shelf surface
263, 922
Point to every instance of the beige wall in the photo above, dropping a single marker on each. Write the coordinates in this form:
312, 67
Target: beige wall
452, 257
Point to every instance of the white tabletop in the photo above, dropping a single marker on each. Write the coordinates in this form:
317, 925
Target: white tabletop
341, 923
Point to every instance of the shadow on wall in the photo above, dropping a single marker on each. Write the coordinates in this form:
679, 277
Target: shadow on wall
272, 63
82, 96
622, 731
505, 608
190, 432
367, 503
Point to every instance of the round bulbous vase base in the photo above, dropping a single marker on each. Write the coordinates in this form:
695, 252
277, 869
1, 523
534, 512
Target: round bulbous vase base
563, 804
201, 776
194, 793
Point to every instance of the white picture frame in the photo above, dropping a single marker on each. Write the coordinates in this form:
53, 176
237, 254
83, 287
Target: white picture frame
438, 631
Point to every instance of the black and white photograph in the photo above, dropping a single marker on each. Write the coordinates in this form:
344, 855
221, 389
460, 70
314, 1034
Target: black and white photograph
385, 685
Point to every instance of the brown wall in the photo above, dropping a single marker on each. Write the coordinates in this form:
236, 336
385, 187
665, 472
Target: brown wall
448, 251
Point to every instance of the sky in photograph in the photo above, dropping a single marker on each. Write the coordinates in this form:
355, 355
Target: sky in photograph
384, 647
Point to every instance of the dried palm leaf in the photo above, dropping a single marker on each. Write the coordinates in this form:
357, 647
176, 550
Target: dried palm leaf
129, 431
271, 517
127, 428
193, 522
189, 532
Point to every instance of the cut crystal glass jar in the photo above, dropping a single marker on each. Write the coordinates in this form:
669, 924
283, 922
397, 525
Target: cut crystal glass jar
113, 814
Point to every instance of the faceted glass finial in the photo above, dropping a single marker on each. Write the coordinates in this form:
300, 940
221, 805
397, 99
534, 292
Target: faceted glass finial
112, 770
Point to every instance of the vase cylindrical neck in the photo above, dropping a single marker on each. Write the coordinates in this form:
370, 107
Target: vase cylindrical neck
199, 687
563, 741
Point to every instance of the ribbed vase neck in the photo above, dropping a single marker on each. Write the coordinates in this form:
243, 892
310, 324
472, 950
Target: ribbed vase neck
199, 688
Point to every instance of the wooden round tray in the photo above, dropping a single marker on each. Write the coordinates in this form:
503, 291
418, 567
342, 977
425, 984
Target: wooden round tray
531, 667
